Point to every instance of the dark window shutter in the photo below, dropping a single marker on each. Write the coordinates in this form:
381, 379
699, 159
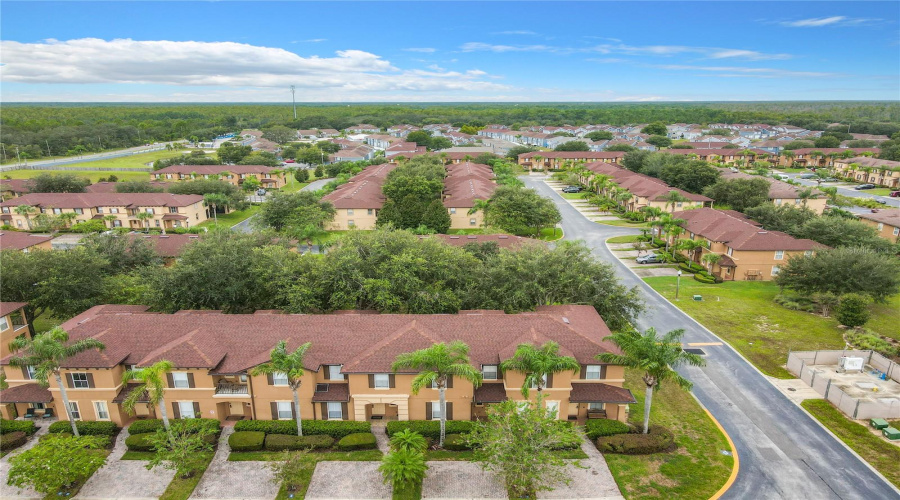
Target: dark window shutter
274, 408
269, 379
449, 410
197, 410
327, 373
344, 411
603, 371
549, 381
169, 380
449, 381
371, 381
190, 377
25, 373
69, 382
428, 411
392, 381
583, 372
176, 410
90, 380
324, 411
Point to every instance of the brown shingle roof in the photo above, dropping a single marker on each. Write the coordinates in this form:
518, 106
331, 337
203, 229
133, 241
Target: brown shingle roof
12, 240
110, 187
600, 393
14, 185
90, 200
574, 155
640, 184
335, 392
8, 307
26, 393
215, 169
126, 390
490, 393
864, 161
739, 233
889, 216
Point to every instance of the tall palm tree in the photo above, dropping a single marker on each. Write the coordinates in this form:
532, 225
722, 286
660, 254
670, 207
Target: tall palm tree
144, 217
692, 247
539, 362
215, 200
45, 353
711, 259
151, 379
291, 365
110, 218
436, 364
673, 198
25, 211
656, 357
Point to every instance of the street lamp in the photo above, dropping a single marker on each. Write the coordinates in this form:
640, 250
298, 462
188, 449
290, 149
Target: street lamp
677, 284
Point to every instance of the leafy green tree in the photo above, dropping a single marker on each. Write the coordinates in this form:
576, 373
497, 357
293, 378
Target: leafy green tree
311, 155
436, 217
26, 211
420, 137
438, 143
843, 232
181, 448
657, 357
328, 147
436, 365
151, 387
320, 172
57, 463
827, 141
681, 145
292, 211
573, 146
57, 183
291, 469
520, 211
235, 197
739, 194
792, 145
659, 141
230, 153
599, 135
137, 187
260, 158
46, 352
122, 253
785, 218
621, 147
280, 134
841, 271
655, 128
691, 175
853, 310
539, 363
514, 152
517, 440
291, 365
302, 175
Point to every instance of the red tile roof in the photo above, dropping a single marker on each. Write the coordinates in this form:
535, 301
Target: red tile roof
110, 187
335, 392
91, 200
593, 392
8, 307
490, 393
889, 216
740, 233
26, 393
12, 240
215, 169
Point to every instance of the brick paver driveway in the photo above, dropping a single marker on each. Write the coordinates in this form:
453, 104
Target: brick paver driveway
347, 480
126, 478
12, 491
235, 480
461, 480
591, 479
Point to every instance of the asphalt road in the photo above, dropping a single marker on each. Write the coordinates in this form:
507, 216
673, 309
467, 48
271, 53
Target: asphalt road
842, 189
244, 225
93, 157
784, 453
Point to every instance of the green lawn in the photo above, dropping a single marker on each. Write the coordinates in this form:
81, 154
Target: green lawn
232, 218
551, 234
744, 314
884, 318
138, 455
181, 489
624, 223
573, 196
632, 238
293, 187
879, 191
93, 175
697, 469
880, 454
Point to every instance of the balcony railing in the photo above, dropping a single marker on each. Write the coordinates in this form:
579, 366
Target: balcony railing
230, 388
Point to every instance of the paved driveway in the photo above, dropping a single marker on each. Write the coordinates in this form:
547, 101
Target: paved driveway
126, 478
347, 480
235, 480
784, 453
7, 491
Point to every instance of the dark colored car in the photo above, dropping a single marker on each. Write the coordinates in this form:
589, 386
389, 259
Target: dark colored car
651, 258
572, 189
895, 194
864, 186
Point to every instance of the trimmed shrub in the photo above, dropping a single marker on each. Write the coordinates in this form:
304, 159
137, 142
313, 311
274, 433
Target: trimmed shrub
456, 442
246, 441
12, 440
281, 442
86, 428
359, 441
334, 428
56, 434
430, 428
139, 442
658, 440
154, 424
602, 427
26, 426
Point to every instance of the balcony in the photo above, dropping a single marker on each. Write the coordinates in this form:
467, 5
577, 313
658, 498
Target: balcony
231, 389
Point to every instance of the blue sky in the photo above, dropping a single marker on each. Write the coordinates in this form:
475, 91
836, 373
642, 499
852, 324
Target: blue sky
448, 51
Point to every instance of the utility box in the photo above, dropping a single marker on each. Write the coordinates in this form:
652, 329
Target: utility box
698, 297
850, 364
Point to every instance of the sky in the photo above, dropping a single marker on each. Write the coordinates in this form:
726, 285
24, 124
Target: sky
232, 51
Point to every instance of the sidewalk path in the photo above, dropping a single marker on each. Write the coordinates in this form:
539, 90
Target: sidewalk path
235, 480
11, 491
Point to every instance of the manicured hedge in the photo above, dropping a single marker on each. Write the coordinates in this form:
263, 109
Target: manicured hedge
246, 441
12, 440
456, 442
26, 426
658, 440
154, 424
334, 428
86, 428
281, 442
602, 427
430, 428
360, 441
139, 442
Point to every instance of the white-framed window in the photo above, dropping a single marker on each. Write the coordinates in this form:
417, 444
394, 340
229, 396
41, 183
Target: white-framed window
173, 210
335, 411
79, 211
279, 378
149, 211
778, 201
370, 211
113, 210
452, 211
37, 406
157, 222
896, 231
435, 410
284, 410
730, 251
593, 372
30, 371
186, 409
596, 406
73, 409
101, 410
57, 211
180, 380
776, 270
553, 408
489, 372
80, 381
334, 372
544, 379
349, 211
808, 253
779, 254
382, 381
4, 324
473, 222
117, 223
350, 223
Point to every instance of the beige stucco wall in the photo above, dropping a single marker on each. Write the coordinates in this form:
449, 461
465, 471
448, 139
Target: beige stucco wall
462, 220
360, 217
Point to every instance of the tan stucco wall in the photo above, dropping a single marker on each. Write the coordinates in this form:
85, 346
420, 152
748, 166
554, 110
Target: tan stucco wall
360, 217
462, 220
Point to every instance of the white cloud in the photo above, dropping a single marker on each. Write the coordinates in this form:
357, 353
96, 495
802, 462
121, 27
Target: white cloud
424, 50
487, 47
632, 50
750, 55
514, 32
737, 71
315, 40
817, 22
218, 64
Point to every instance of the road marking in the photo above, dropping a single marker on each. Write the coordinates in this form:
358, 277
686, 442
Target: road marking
734, 453
703, 343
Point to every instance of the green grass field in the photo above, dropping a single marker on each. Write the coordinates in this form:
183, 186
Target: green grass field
697, 469
573, 196
879, 191
632, 238
624, 223
93, 175
232, 218
743, 313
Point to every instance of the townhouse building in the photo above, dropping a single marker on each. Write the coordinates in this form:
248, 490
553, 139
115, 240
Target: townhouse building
110, 187
555, 160
24, 242
381, 141
402, 130
819, 157
347, 372
465, 184
13, 323
13, 188
746, 250
362, 128
885, 220
782, 193
268, 177
360, 152
167, 211
726, 156
872, 170
645, 191
358, 202
407, 149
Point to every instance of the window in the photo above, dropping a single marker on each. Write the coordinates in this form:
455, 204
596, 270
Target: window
102, 411
79, 211
473, 222
775, 270
173, 210
778, 201
30, 371
544, 379
350, 223
117, 223
896, 231
334, 372
730, 251
453, 211
382, 381
596, 406
553, 408
489, 372
4, 324
335, 412
180, 380
100, 210
370, 211
149, 211
593, 372
37, 406
808, 253
284, 411
73, 410
186, 410
6, 210
349, 211
279, 378
57, 211
435, 410
157, 222
80, 381
779, 254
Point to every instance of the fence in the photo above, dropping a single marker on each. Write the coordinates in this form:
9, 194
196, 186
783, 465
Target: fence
83, 167
803, 364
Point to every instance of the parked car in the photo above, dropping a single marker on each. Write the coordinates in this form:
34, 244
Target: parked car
895, 194
260, 192
572, 189
864, 186
650, 258
808, 176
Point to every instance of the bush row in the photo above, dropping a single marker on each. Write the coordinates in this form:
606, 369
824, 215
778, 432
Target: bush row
246, 441
154, 424
334, 428
429, 428
26, 426
602, 427
281, 442
456, 442
358, 441
86, 428
142, 442
12, 440
658, 440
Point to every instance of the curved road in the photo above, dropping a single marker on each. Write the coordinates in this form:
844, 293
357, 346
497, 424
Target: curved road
244, 225
784, 453
91, 157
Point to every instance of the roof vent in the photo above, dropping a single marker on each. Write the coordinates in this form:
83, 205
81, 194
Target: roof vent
163, 236
565, 320
763, 232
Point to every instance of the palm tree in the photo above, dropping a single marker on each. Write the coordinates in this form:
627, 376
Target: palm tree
110, 218
656, 357
214, 200
144, 217
673, 198
25, 211
692, 247
152, 385
45, 353
537, 159
790, 156
711, 259
436, 364
537, 363
291, 365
